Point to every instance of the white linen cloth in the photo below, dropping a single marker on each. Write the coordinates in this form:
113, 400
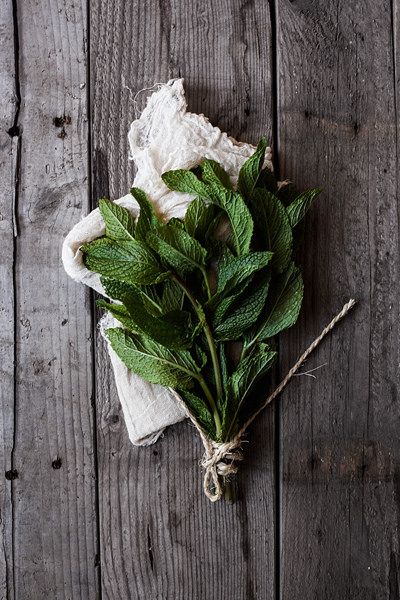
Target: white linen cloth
165, 137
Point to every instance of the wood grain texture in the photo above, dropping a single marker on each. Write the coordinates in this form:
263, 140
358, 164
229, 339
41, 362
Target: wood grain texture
54, 522
339, 449
8, 165
338, 99
160, 537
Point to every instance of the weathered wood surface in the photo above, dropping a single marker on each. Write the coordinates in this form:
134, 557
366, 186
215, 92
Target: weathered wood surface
160, 536
54, 530
8, 165
329, 526
338, 69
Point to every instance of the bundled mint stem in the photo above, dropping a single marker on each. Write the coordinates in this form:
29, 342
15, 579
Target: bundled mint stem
200, 300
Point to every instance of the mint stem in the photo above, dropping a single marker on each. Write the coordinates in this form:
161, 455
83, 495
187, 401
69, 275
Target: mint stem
205, 277
211, 401
229, 492
213, 352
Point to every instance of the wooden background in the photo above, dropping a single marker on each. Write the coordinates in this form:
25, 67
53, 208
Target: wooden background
83, 513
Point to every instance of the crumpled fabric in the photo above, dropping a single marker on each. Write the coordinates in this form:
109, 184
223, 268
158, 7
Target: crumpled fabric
165, 137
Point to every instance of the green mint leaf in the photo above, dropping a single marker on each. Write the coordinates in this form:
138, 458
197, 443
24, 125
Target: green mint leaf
154, 362
119, 222
185, 181
147, 219
297, 210
177, 248
198, 218
232, 270
176, 222
223, 361
221, 303
249, 369
116, 290
231, 322
283, 305
241, 222
234, 277
199, 409
120, 313
141, 313
273, 227
130, 262
170, 330
240, 383
213, 172
251, 169
267, 180
218, 232
172, 296
119, 290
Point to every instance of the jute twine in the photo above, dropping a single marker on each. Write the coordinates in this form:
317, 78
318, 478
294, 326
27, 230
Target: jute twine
220, 460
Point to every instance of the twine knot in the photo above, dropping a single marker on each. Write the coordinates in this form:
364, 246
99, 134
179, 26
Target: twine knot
219, 462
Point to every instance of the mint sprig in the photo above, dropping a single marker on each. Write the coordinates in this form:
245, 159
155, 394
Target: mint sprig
186, 292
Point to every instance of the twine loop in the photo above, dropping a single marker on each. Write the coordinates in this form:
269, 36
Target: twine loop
219, 462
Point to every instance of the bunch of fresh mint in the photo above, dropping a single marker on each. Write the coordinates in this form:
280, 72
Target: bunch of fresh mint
201, 299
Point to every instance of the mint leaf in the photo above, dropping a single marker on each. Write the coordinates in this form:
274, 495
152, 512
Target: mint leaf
198, 408
145, 312
273, 227
198, 218
251, 169
130, 262
147, 219
250, 369
241, 381
170, 330
283, 305
120, 313
186, 182
234, 278
119, 222
297, 210
267, 180
224, 365
177, 248
176, 222
141, 313
241, 222
172, 296
116, 290
218, 231
232, 270
212, 172
119, 290
154, 362
231, 321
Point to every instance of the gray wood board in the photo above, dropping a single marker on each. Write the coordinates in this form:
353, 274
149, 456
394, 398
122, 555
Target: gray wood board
8, 166
160, 537
54, 512
338, 77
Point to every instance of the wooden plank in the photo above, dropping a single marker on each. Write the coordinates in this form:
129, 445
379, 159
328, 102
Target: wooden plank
8, 163
54, 494
160, 537
338, 98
